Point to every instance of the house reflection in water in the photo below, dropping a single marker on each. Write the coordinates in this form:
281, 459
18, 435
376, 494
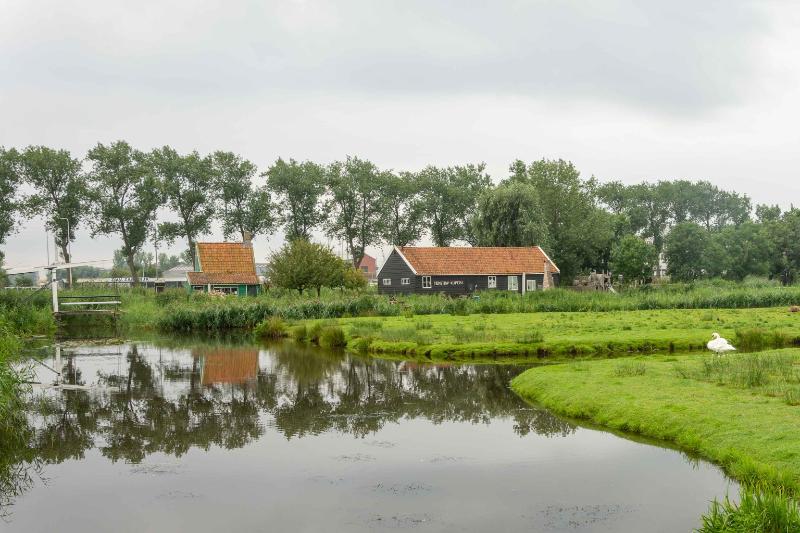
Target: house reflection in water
227, 365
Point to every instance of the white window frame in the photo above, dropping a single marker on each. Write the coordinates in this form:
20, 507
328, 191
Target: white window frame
530, 283
515, 283
405, 281
491, 282
427, 283
387, 281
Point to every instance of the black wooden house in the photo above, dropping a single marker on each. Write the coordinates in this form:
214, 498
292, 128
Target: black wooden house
459, 271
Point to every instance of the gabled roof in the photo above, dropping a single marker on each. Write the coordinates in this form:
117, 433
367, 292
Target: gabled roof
440, 261
224, 263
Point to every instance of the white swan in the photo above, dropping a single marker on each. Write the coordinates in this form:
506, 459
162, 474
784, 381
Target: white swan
719, 345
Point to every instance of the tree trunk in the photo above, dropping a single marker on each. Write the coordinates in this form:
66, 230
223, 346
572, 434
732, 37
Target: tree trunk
132, 266
192, 253
67, 259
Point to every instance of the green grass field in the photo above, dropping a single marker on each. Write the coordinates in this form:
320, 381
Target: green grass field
568, 334
750, 428
739, 410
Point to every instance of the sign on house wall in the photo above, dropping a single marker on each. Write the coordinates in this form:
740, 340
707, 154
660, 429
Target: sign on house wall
447, 282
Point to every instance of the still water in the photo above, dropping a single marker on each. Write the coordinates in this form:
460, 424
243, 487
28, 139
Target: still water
220, 437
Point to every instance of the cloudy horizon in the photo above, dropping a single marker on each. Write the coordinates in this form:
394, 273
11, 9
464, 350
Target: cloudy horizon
626, 90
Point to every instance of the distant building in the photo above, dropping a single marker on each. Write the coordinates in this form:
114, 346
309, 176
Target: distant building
224, 267
459, 271
369, 267
25, 279
176, 276
261, 272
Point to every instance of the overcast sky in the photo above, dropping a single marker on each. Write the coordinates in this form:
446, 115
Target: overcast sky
627, 90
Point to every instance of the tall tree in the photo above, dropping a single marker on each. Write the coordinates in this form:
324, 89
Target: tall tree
748, 248
245, 208
187, 182
9, 180
510, 215
634, 259
125, 195
577, 228
402, 194
58, 195
686, 251
356, 205
450, 198
299, 187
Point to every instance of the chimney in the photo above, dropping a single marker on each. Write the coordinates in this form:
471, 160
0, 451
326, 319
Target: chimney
547, 282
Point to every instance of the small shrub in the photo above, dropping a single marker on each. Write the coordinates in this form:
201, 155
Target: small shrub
423, 324
272, 328
792, 395
169, 296
630, 368
408, 312
530, 337
314, 332
682, 370
332, 337
300, 333
460, 307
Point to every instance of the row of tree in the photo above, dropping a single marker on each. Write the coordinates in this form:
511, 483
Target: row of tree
582, 223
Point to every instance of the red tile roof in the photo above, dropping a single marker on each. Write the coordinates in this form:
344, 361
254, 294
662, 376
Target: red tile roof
224, 263
476, 260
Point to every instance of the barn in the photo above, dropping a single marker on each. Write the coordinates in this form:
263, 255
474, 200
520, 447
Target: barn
224, 267
460, 271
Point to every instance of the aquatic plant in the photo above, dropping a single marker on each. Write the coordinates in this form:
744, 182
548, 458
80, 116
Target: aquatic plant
761, 509
332, 337
272, 328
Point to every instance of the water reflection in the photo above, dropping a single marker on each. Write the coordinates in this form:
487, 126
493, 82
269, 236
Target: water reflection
144, 399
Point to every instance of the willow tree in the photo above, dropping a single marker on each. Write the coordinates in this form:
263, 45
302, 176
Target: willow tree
125, 195
187, 182
58, 194
510, 215
245, 208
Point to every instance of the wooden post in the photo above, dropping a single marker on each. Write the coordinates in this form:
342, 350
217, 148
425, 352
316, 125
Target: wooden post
54, 287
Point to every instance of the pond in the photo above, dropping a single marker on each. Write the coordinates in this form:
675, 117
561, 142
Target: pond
197, 436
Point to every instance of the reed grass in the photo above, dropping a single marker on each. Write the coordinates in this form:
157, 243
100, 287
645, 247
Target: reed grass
185, 312
761, 509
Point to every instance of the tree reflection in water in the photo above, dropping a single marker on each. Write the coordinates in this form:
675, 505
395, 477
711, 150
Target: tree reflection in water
227, 395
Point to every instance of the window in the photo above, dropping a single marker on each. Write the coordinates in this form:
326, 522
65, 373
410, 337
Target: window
387, 281
530, 285
512, 283
198, 288
405, 281
225, 290
364, 269
426, 282
492, 282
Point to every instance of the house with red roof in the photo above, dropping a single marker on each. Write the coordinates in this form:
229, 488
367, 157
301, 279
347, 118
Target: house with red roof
460, 271
224, 267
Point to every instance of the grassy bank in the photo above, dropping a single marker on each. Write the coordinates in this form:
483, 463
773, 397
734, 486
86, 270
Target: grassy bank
21, 314
179, 311
568, 334
749, 427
